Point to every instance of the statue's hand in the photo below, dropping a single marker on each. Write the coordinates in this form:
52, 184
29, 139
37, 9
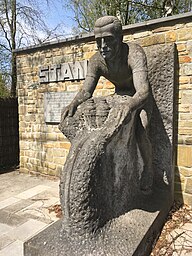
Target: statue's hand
123, 114
118, 116
68, 111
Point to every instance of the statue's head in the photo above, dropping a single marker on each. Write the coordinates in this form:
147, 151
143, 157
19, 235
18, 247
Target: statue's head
108, 35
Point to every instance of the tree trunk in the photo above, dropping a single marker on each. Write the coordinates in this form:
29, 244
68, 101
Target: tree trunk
13, 44
13, 75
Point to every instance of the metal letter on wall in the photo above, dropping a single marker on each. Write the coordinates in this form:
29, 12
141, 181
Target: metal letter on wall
44, 74
53, 72
63, 72
66, 72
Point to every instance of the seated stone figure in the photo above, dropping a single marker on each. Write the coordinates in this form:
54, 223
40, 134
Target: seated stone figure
125, 66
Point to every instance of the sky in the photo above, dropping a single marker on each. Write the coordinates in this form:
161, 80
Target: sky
57, 13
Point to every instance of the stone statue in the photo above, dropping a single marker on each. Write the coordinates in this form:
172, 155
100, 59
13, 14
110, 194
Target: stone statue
125, 66
112, 202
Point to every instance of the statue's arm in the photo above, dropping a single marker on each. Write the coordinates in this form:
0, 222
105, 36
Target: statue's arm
87, 90
140, 78
141, 84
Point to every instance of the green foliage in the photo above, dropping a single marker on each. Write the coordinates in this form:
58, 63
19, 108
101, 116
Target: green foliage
4, 92
128, 11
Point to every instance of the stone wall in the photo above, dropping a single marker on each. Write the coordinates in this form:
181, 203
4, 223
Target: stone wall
43, 148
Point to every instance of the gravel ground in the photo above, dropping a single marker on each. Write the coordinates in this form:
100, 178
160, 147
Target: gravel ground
176, 235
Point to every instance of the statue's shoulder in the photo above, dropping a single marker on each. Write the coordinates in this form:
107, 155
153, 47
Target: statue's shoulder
135, 49
95, 64
95, 57
136, 56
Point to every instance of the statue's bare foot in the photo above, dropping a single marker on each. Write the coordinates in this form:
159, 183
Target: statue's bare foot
146, 182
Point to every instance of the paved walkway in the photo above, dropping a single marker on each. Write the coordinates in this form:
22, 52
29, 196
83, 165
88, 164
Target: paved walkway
24, 209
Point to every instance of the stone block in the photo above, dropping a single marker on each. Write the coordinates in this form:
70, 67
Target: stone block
162, 29
51, 166
39, 209
189, 47
14, 249
187, 69
184, 108
9, 201
36, 136
187, 96
26, 230
185, 86
188, 140
22, 124
59, 160
142, 34
184, 34
23, 159
128, 38
31, 109
187, 198
88, 55
180, 139
24, 145
49, 145
32, 192
108, 85
41, 170
185, 116
14, 208
65, 145
59, 153
186, 124
179, 26
184, 156
23, 170
4, 229
43, 136
60, 137
11, 218
59, 169
181, 47
184, 80
152, 40
188, 187
22, 110
30, 118
185, 131
5, 241
54, 172
106, 92
184, 59
34, 161
51, 136
170, 36
99, 86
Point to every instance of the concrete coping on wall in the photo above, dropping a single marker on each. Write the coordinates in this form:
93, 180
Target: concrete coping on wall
86, 37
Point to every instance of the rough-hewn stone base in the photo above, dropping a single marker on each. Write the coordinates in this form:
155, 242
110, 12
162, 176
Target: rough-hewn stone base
133, 234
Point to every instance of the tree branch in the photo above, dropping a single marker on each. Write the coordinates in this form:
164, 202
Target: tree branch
5, 33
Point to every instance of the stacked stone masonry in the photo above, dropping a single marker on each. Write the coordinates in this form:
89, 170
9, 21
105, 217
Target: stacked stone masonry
43, 148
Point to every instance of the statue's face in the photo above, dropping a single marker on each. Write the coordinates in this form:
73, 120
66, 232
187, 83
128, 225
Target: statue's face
108, 42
